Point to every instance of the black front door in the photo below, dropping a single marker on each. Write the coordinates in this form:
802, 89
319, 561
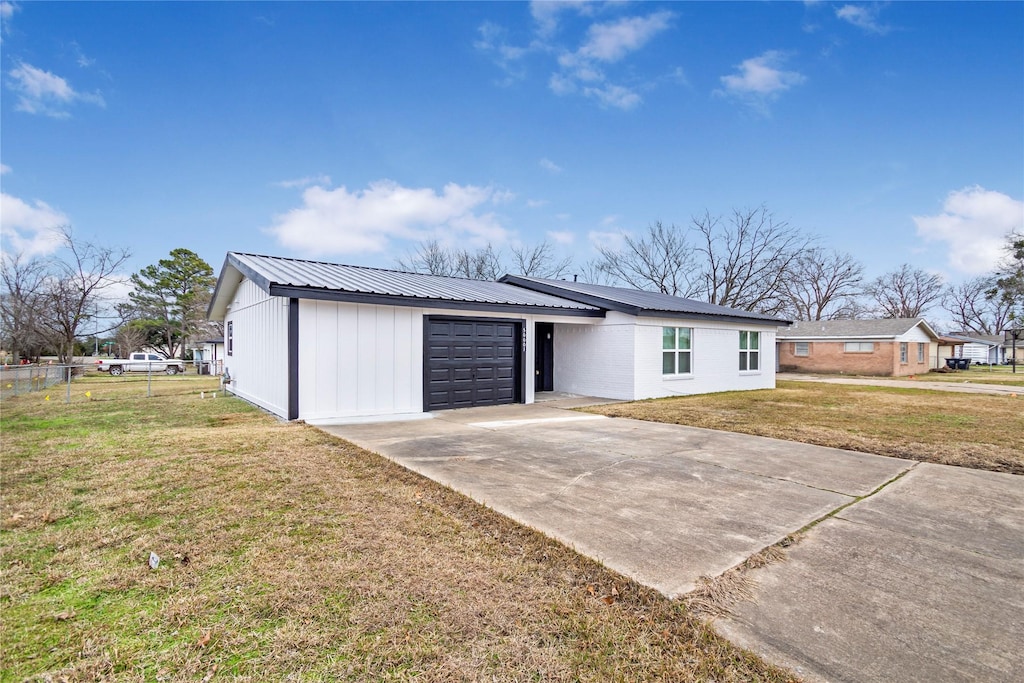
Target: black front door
470, 362
544, 357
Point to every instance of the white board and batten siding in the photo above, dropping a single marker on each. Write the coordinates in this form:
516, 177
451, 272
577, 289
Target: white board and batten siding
258, 364
359, 360
621, 357
366, 360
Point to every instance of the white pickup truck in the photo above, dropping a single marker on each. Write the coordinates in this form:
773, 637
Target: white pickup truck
141, 362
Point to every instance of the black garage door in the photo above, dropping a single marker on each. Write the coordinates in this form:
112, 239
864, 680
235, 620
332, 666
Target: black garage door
470, 363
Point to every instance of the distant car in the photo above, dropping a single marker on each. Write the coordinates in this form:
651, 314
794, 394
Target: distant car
141, 362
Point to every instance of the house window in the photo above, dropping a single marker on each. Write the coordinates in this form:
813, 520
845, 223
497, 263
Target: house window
676, 350
903, 352
920, 352
859, 347
750, 344
231, 337
801, 348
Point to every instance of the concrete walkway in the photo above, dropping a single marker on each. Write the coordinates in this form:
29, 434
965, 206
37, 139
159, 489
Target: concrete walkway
956, 387
897, 578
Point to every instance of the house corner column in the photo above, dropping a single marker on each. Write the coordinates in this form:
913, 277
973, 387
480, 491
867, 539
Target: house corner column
293, 359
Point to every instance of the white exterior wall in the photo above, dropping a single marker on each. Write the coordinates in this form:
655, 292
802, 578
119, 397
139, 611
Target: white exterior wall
715, 358
258, 365
981, 353
359, 360
364, 360
620, 357
595, 359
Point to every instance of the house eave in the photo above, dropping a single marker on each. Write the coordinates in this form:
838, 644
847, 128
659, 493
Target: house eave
292, 291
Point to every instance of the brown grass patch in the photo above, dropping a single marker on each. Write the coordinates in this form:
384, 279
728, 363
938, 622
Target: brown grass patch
286, 553
968, 430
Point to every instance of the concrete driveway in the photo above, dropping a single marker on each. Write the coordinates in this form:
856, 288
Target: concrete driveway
922, 567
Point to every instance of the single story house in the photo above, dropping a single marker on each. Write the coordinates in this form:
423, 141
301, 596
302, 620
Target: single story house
982, 349
888, 347
328, 342
208, 355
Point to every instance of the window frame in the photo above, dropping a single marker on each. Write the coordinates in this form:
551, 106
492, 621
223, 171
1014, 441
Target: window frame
806, 349
677, 352
847, 349
230, 338
904, 353
920, 352
748, 352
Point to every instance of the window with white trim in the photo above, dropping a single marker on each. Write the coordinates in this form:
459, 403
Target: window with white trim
231, 337
801, 348
920, 352
750, 350
903, 352
676, 350
859, 347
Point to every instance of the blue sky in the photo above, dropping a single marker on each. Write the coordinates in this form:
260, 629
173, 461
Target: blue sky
349, 132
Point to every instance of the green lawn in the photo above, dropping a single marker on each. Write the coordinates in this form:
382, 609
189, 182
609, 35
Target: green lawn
969, 430
288, 554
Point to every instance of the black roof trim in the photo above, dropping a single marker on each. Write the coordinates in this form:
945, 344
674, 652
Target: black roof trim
571, 291
419, 302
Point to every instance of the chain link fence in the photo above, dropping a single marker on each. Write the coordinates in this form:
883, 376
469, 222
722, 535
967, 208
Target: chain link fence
68, 382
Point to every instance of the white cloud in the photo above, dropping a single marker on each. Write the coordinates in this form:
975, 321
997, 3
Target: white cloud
7, 9
32, 229
760, 80
550, 166
561, 236
4, 169
606, 43
601, 239
342, 222
546, 13
42, 92
322, 180
81, 58
974, 223
864, 17
612, 41
762, 76
536, 203
614, 96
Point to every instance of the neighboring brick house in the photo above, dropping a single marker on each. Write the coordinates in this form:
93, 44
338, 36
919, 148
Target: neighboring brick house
890, 347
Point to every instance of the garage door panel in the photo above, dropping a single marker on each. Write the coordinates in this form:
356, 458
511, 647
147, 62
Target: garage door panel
470, 363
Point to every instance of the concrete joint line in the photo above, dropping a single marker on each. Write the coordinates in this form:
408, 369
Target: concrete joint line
857, 499
788, 481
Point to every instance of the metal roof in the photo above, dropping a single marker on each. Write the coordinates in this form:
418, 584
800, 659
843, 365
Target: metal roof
299, 278
885, 328
638, 302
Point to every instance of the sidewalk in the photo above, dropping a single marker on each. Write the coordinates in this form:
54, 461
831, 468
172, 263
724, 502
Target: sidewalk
963, 388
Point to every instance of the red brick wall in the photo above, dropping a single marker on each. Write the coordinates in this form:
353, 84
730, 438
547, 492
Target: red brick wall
831, 357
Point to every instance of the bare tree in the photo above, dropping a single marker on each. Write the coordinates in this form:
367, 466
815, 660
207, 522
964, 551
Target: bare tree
431, 258
73, 290
593, 272
482, 264
823, 285
748, 260
539, 261
130, 337
486, 263
907, 292
22, 305
973, 308
660, 259
1008, 288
